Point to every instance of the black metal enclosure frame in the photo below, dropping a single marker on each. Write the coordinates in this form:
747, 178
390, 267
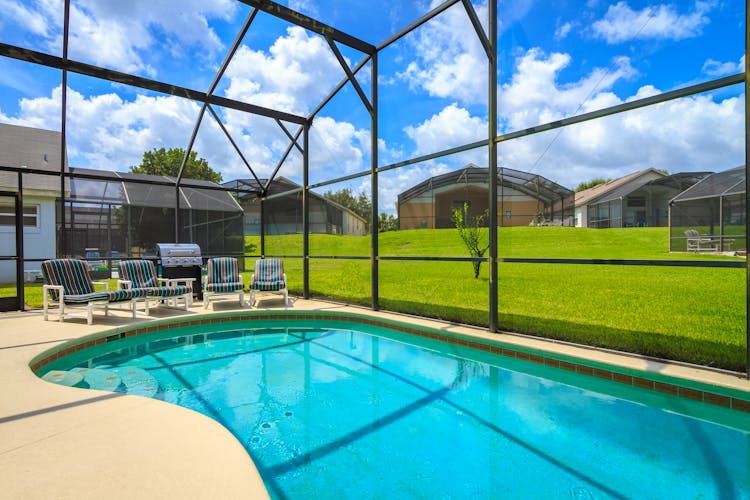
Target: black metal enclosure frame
333, 36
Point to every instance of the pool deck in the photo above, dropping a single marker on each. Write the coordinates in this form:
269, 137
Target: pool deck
64, 443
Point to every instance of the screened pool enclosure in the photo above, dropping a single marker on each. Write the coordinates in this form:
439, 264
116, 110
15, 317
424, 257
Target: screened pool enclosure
342, 98
716, 208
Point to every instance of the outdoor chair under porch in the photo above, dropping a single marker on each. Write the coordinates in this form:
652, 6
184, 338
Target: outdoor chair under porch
141, 273
222, 277
67, 284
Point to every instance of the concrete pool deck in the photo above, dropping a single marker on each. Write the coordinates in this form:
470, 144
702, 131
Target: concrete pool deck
60, 442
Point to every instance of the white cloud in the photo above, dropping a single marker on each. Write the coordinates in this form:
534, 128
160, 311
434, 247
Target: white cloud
672, 135
296, 74
452, 126
450, 60
534, 95
563, 30
621, 23
718, 68
121, 35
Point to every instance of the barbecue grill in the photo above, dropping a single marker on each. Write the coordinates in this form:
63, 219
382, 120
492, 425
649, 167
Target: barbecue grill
181, 260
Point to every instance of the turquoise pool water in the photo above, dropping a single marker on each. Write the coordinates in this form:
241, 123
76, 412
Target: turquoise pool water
331, 413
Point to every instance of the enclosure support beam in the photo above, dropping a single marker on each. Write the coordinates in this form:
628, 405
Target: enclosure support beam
283, 158
492, 146
305, 213
747, 194
63, 119
308, 23
478, 27
349, 75
374, 183
234, 144
80, 68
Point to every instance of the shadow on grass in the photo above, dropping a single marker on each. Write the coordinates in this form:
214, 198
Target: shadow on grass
672, 347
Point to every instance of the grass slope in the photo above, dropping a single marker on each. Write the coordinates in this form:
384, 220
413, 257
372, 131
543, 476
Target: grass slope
689, 314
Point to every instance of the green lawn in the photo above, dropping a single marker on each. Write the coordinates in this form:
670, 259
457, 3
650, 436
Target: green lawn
682, 313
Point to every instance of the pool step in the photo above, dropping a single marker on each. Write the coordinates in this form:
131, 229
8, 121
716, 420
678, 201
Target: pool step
63, 377
137, 381
96, 378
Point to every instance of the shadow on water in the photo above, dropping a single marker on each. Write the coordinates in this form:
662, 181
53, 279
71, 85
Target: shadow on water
430, 397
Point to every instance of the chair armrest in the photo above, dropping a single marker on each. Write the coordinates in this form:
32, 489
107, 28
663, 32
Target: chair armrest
101, 283
124, 284
59, 288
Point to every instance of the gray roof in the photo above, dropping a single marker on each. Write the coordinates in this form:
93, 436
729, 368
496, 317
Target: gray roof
527, 183
719, 184
617, 188
34, 148
117, 190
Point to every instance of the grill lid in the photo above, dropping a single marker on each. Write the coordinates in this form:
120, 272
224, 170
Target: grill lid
179, 254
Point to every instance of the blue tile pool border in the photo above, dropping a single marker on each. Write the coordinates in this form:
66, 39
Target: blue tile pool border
725, 397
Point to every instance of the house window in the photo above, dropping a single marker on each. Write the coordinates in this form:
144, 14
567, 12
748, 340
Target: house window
30, 215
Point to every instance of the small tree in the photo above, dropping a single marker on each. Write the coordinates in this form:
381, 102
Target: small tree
472, 232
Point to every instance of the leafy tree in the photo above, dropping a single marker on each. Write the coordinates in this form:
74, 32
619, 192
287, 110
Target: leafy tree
359, 204
472, 232
167, 162
387, 223
593, 182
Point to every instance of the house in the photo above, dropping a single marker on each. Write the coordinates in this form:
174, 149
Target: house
715, 207
35, 149
522, 199
284, 213
640, 199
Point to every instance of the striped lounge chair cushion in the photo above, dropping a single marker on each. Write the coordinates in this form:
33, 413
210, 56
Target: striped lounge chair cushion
166, 291
125, 294
72, 275
222, 275
269, 275
141, 273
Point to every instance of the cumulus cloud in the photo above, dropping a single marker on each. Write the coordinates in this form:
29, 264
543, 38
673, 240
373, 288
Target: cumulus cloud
449, 59
296, 73
718, 68
671, 135
452, 126
662, 22
534, 95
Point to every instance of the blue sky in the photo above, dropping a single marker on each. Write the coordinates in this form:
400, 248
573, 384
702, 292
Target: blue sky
556, 59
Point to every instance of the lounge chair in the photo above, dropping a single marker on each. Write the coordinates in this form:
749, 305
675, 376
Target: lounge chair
698, 243
269, 277
142, 274
222, 277
68, 284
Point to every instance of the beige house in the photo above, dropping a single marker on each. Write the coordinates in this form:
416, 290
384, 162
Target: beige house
523, 199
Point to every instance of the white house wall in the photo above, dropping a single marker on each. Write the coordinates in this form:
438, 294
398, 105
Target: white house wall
38, 243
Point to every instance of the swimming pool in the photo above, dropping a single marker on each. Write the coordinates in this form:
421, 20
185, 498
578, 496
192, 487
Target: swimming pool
335, 409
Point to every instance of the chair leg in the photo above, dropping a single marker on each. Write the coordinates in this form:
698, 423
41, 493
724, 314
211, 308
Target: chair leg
205, 300
187, 301
90, 317
286, 298
132, 305
62, 310
242, 298
252, 297
45, 304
